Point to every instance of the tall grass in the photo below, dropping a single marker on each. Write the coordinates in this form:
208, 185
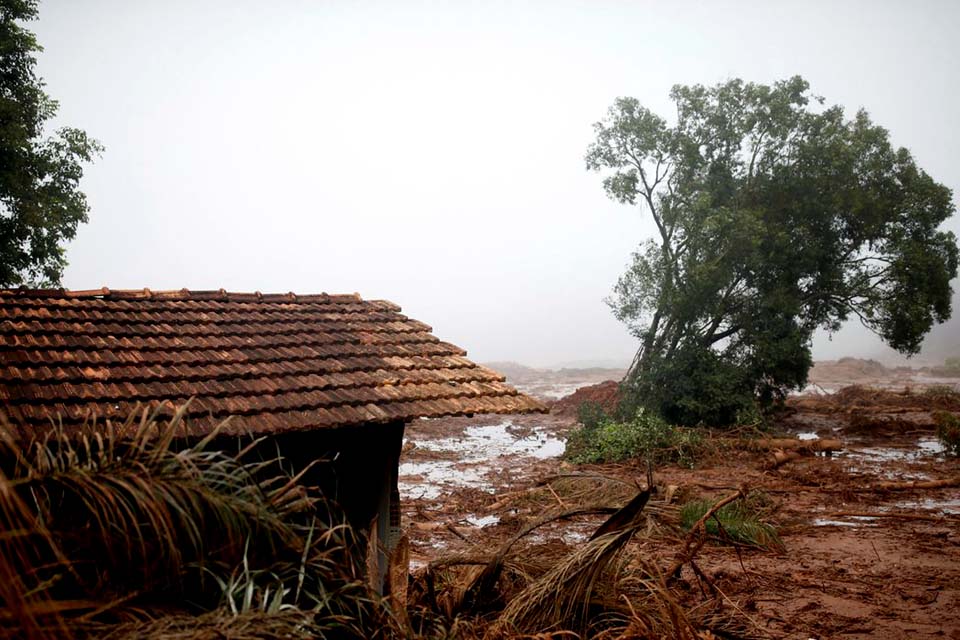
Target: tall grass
132, 519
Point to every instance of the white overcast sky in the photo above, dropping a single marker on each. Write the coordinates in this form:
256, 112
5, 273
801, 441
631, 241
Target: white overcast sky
432, 153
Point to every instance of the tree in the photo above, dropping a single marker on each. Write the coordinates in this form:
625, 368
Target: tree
775, 216
40, 200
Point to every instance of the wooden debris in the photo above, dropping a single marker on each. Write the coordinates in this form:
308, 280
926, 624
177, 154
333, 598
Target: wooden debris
398, 580
784, 450
626, 517
698, 534
910, 485
786, 444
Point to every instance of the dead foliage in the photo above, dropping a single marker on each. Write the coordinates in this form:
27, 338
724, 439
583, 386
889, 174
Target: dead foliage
870, 422
608, 586
907, 399
290, 623
117, 526
119, 534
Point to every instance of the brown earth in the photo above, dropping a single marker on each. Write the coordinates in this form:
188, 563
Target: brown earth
858, 562
605, 394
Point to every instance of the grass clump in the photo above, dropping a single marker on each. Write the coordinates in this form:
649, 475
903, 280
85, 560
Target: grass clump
739, 522
127, 521
646, 436
948, 431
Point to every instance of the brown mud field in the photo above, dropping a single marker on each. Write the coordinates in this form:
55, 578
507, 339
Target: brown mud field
870, 530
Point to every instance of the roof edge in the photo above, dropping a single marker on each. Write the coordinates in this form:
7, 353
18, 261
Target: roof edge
222, 295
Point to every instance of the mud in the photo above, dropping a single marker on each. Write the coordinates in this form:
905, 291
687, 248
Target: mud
859, 563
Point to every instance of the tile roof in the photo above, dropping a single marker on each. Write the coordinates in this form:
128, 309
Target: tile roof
273, 361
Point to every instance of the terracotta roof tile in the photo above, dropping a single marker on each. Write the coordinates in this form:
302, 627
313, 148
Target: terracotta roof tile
273, 361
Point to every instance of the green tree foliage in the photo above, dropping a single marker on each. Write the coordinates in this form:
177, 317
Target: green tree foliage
40, 200
775, 215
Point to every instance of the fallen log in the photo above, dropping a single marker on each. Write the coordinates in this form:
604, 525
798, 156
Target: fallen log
779, 458
910, 485
785, 444
784, 450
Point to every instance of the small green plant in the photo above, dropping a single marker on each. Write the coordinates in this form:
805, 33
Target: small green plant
948, 431
591, 414
646, 436
736, 523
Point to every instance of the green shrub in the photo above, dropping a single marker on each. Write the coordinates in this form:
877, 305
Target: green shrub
948, 431
694, 386
691, 388
739, 522
646, 436
591, 414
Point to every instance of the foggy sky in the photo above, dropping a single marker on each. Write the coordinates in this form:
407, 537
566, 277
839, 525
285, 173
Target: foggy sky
432, 153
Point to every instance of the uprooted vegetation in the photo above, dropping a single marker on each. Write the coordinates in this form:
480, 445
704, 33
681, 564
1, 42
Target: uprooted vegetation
854, 397
123, 531
209, 546
867, 523
602, 438
617, 582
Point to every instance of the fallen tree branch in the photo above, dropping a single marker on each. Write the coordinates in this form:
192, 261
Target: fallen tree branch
910, 485
449, 527
784, 450
780, 458
698, 534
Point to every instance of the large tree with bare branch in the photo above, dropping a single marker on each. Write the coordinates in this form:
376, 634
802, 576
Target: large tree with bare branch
775, 215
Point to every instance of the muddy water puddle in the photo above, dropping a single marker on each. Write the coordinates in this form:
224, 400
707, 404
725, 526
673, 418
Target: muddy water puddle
475, 458
905, 462
849, 521
949, 506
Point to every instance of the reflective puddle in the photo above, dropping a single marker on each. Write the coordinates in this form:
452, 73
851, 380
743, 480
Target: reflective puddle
480, 452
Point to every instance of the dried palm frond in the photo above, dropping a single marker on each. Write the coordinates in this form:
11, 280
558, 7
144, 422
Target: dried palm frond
132, 512
25, 610
137, 518
217, 625
562, 598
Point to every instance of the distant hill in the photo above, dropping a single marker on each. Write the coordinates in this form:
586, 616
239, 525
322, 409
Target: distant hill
550, 384
511, 369
596, 363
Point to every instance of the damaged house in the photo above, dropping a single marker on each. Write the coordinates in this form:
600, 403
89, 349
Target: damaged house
330, 377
